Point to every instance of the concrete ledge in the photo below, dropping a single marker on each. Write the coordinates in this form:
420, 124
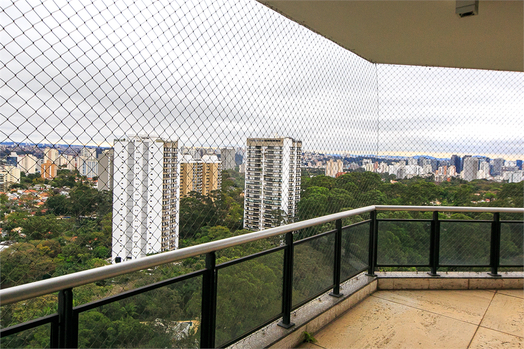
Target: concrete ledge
448, 281
324, 309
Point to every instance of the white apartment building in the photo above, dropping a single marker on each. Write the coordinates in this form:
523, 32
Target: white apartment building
8, 175
88, 166
67, 161
51, 155
28, 164
272, 182
332, 167
145, 197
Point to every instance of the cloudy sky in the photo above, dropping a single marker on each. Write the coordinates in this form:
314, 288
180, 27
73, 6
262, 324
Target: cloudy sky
214, 73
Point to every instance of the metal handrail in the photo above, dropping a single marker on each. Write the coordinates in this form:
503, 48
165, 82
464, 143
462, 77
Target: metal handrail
43, 287
449, 209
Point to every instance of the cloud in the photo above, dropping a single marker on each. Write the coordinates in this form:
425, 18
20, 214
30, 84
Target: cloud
215, 73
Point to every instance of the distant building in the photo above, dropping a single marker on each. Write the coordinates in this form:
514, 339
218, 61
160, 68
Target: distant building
369, 166
12, 159
514, 176
51, 155
497, 165
9, 175
427, 169
332, 167
202, 175
272, 182
470, 169
28, 164
88, 153
227, 156
105, 170
401, 172
88, 167
145, 197
383, 167
88, 163
48, 170
484, 170
412, 162
67, 162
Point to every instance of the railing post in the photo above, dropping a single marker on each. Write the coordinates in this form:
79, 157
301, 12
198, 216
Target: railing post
373, 231
209, 303
67, 321
337, 261
53, 337
495, 245
434, 245
287, 287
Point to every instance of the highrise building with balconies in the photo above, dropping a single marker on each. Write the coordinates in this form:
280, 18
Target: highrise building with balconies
48, 170
272, 182
145, 197
200, 175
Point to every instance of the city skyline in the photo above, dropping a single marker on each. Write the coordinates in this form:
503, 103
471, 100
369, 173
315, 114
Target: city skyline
391, 154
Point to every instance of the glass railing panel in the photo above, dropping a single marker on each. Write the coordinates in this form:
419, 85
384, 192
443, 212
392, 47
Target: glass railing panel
28, 310
166, 317
37, 337
465, 243
355, 250
249, 294
511, 243
312, 267
403, 243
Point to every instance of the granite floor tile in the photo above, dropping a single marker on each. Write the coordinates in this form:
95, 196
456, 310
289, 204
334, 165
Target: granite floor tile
514, 293
505, 314
469, 306
490, 339
379, 323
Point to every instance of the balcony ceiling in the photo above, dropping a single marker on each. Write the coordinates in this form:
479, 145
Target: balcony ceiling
426, 33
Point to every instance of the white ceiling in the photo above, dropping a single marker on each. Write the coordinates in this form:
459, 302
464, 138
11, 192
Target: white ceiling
422, 32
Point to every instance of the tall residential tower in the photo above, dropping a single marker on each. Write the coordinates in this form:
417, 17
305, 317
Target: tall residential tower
272, 182
145, 197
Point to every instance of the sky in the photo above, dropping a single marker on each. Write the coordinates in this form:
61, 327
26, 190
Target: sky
215, 73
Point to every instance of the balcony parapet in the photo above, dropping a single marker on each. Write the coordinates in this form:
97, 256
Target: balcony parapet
319, 312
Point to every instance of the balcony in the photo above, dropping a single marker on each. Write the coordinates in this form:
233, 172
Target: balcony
457, 318
309, 274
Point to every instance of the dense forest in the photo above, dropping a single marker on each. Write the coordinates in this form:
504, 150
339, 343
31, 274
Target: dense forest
73, 232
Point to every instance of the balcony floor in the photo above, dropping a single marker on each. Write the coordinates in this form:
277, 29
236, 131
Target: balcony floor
429, 319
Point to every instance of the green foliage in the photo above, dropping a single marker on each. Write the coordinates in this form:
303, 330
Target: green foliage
248, 292
308, 337
222, 208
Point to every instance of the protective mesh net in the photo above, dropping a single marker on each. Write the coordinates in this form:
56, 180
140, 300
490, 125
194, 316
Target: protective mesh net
128, 129
168, 316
